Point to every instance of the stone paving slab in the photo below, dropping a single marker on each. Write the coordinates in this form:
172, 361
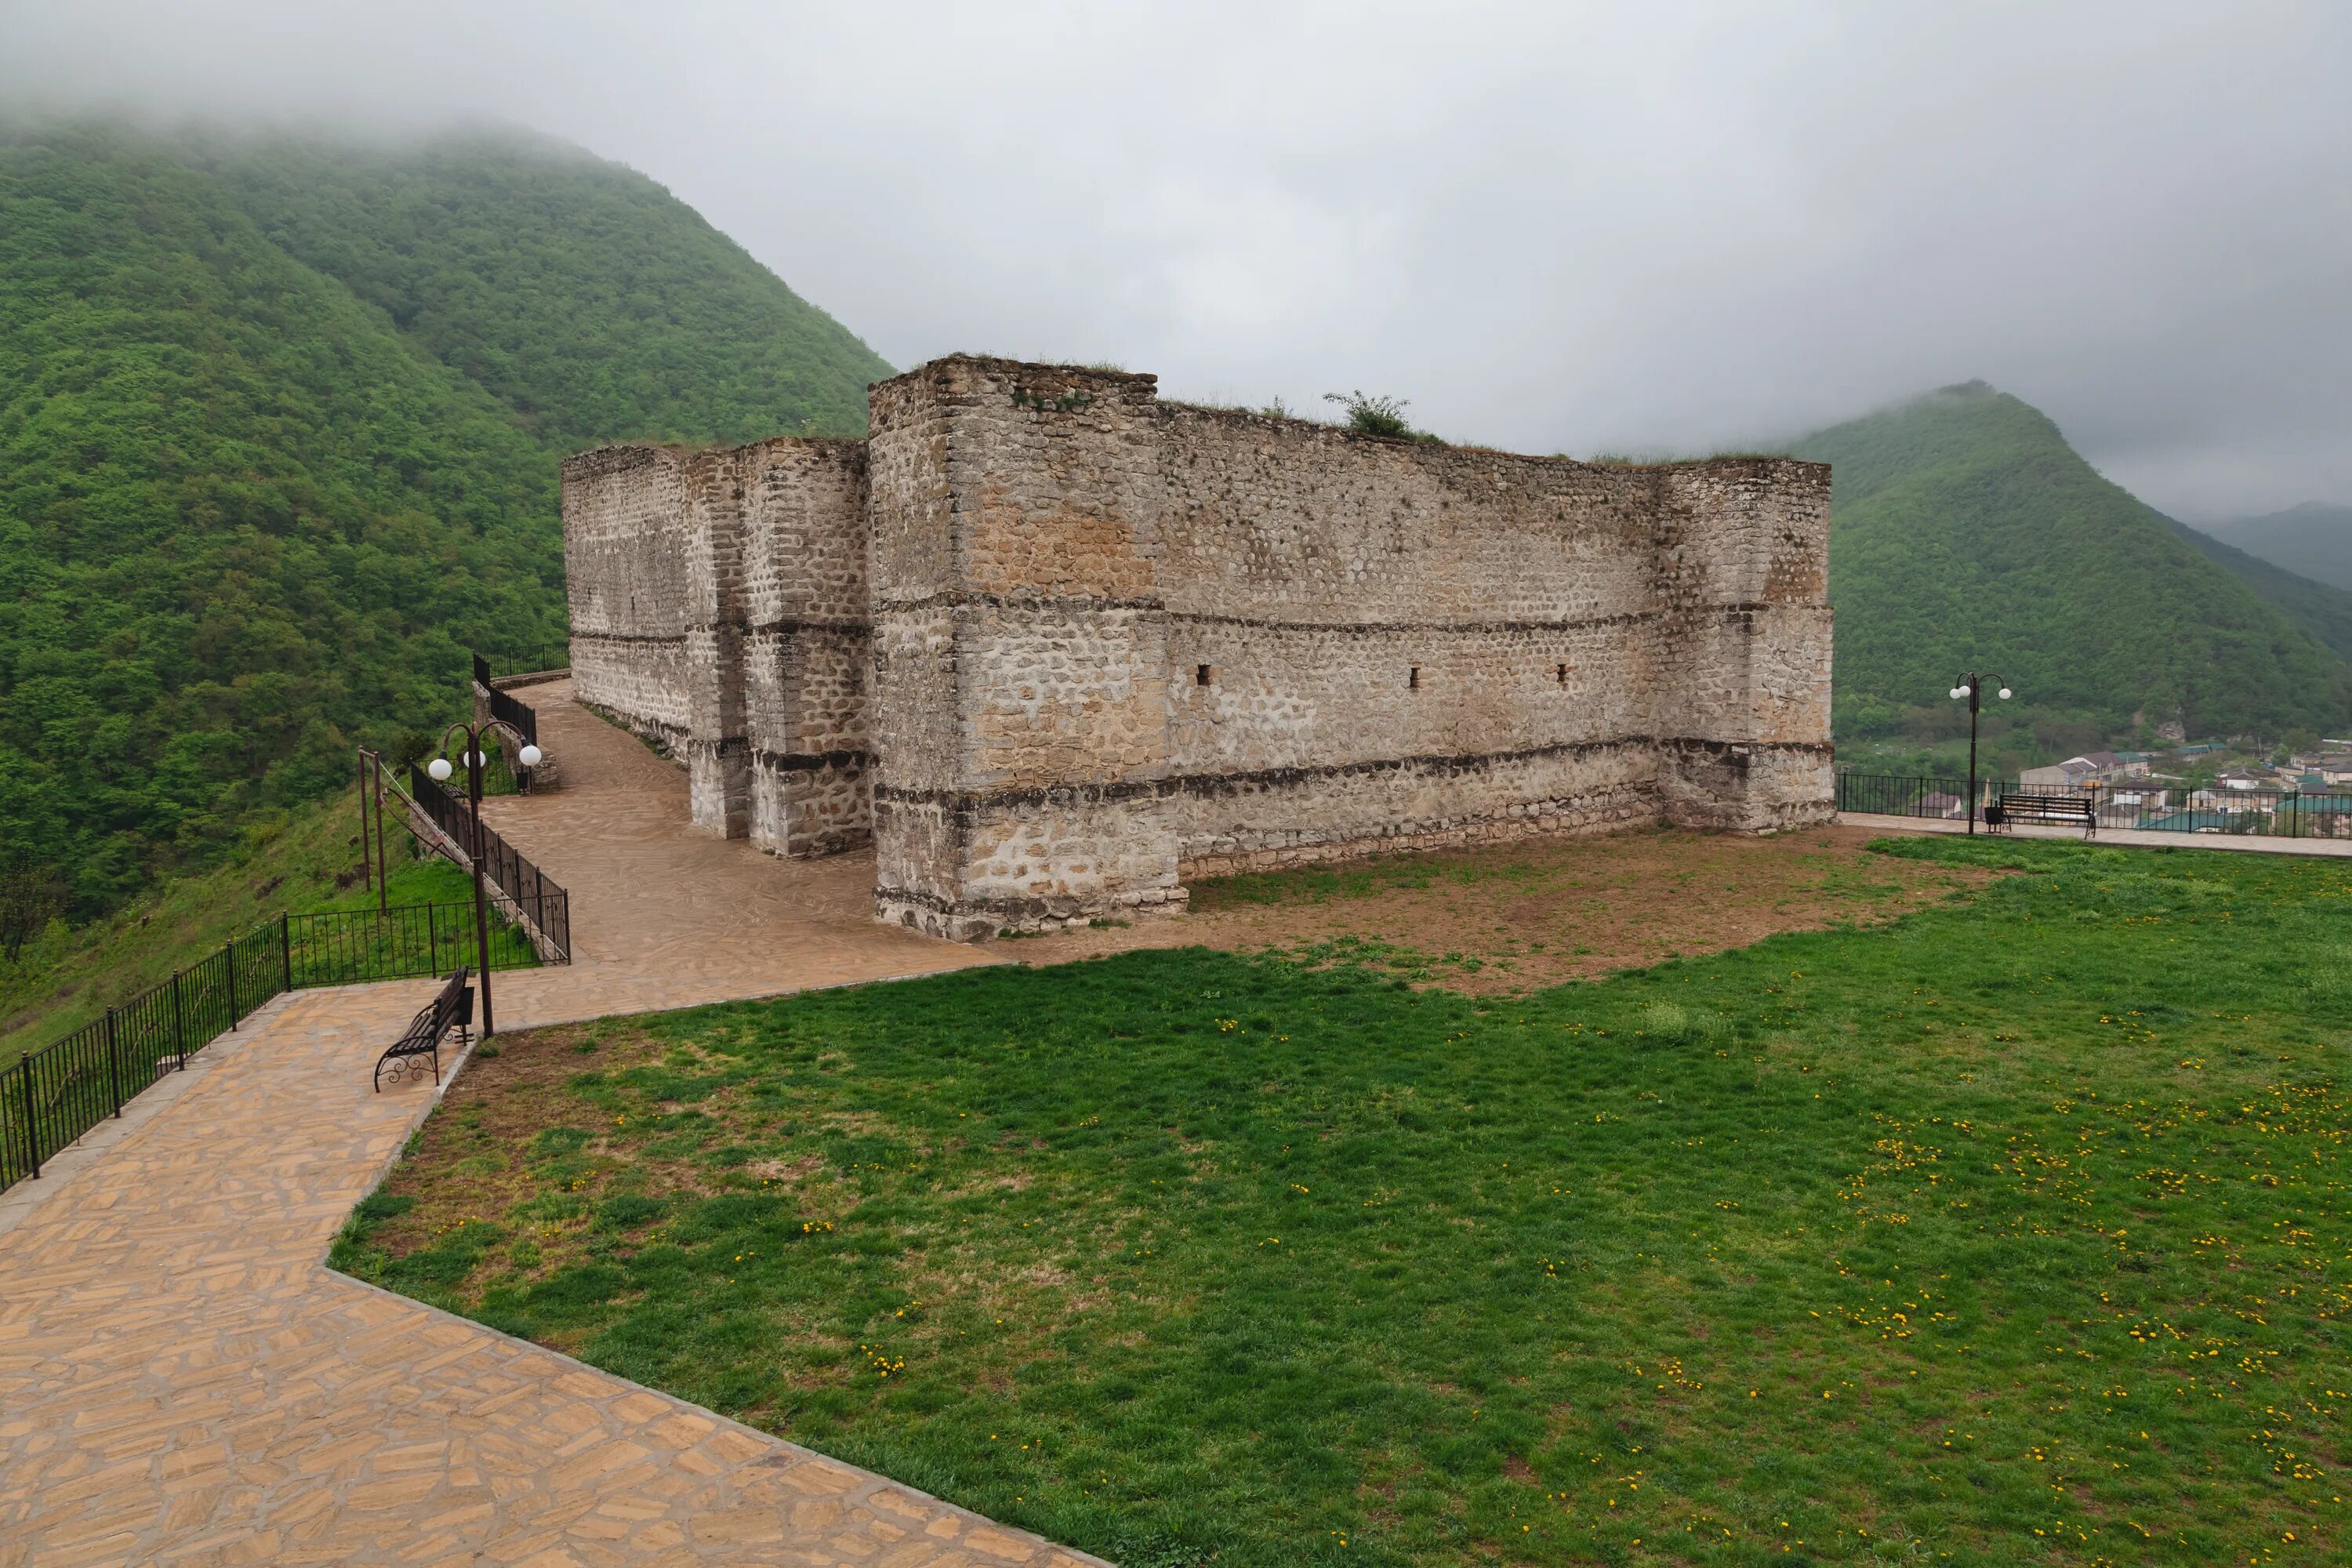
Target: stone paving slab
2115, 837
665, 916
182, 1381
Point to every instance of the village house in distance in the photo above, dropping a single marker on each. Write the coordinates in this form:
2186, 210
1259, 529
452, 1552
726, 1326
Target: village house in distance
1053, 646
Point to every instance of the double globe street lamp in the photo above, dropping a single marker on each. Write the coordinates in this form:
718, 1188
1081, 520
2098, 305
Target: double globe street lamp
1970, 685
439, 770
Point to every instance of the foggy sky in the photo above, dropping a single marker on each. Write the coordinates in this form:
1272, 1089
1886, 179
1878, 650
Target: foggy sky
1670, 225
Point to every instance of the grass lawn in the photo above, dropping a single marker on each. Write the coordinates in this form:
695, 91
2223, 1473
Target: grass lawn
2012, 1231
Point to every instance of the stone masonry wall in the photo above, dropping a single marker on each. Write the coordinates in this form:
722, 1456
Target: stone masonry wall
719, 607
1389, 643
1021, 733
625, 563
1074, 644
1511, 644
808, 643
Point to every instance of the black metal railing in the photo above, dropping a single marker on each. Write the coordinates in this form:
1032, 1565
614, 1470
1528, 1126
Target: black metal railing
344, 947
60, 1092
55, 1095
504, 706
543, 900
2143, 807
1920, 794
523, 662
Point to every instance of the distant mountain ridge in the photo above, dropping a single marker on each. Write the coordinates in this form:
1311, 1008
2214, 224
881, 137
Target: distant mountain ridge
1967, 534
2313, 540
2323, 610
279, 422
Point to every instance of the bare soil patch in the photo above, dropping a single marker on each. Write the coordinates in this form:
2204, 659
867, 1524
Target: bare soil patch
1521, 916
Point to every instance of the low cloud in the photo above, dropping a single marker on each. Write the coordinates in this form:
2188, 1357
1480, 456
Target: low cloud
1672, 226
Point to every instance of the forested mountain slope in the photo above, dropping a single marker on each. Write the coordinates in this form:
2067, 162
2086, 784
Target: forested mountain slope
1967, 534
592, 302
2320, 608
2313, 540
278, 432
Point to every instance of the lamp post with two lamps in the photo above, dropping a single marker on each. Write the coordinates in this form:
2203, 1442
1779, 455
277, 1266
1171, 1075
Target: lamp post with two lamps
1970, 685
439, 770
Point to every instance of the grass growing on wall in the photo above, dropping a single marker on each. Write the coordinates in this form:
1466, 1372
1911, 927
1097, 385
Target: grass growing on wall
2010, 1232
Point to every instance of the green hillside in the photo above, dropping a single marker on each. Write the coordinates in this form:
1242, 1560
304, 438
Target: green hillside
2320, 608
278, 432
588, 299
2313, 540
1969, 534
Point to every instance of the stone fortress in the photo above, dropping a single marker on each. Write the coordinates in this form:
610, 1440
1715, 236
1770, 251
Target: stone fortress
1053, 646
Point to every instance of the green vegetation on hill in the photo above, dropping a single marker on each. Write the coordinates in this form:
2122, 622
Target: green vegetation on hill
2019, 1221
279, 423
2318, 607
2313, 540
303, 859
1968, 535
241, 522
583, 296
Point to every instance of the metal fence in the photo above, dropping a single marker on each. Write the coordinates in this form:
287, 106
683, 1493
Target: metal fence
2148, 807
521, 662
504, 706
543, 901
60, 1092
344, 947
55, 1095
1922, 794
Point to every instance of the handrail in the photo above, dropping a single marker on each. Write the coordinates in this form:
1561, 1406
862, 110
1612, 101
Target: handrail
2153, 805
526, 894
54, 1095
504, 706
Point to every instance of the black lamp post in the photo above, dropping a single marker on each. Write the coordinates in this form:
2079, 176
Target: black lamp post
439, 770
1971, 686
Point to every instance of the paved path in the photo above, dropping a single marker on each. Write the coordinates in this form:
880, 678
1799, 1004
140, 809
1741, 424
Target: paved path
2127, 837
184, 1382
663, 916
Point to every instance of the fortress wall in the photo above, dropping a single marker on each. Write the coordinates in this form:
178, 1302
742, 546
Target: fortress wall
1021, 660
1747, 552
1052, 642
624, 560
914, 722
1406, 643
718, 753
1131, 637
808, 645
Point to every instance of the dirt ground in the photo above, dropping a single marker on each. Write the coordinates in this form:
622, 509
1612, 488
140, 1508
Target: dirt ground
1521, 916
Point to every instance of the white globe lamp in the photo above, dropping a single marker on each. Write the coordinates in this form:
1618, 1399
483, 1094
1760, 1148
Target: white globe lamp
439, 770
529, 755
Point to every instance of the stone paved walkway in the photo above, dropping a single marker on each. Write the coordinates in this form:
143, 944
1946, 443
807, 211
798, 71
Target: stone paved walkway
663, 916
2119, 838
182, 1381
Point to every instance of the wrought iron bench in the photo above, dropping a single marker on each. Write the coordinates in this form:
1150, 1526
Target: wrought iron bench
2064, 810
452, 1009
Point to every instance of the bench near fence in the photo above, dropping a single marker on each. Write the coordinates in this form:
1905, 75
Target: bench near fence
56, 1094
451, 1008
2063, 810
